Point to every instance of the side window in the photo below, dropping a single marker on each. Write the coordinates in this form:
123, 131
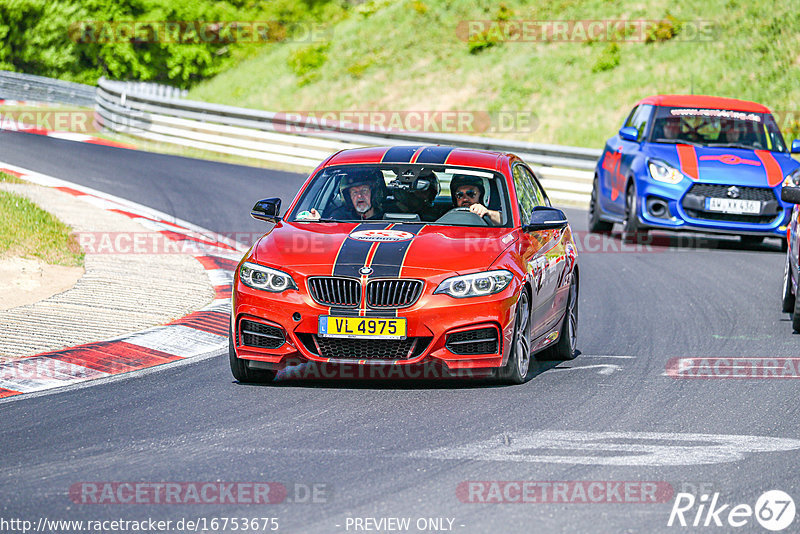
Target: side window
640, 119
629, 120
536, 190
529, 193
526, 200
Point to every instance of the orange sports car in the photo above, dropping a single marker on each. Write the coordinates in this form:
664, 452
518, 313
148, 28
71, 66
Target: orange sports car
408, 255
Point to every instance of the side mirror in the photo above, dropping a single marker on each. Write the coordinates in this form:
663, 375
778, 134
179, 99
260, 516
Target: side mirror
796, 146
790, 194
544, 218
267, 210
629, 133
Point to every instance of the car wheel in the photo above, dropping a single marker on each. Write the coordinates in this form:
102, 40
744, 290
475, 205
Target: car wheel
788, 300
516, 369
242, 372
632, 231
796, 316
596, 226
564, 349
751, 240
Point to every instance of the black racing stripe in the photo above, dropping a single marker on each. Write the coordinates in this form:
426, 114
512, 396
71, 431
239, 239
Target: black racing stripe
351, 312
388, 258
434, 154
353, 253
399, 154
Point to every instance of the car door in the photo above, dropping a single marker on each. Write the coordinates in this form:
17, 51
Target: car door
542, 251
618, 158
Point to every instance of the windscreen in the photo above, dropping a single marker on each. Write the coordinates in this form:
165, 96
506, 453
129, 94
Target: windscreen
405, 193
717, 127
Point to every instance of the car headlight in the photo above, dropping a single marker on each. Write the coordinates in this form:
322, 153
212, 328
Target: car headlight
475, 285
792, 179
260, 277
662, 172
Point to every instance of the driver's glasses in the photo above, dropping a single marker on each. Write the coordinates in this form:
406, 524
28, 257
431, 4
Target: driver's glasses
471, 193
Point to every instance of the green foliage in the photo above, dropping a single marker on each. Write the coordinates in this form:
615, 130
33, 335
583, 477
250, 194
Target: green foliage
665, 29
609, 58
175, 42
305, 62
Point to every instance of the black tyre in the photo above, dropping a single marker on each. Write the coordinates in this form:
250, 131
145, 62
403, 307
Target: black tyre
596, 226
242, 372
515, 370
788, 300
632, 230
564, 349
796, 316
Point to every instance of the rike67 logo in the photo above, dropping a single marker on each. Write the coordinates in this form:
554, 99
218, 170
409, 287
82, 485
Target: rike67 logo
774, 510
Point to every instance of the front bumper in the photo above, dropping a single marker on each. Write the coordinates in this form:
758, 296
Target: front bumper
686, 212
429, 321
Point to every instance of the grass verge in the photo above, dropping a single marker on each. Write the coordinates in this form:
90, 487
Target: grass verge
28, 231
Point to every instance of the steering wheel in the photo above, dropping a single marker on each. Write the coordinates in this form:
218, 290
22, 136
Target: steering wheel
464, 216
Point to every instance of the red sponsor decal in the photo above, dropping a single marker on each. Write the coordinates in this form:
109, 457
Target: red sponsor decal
731, 159
611, 164
688, 161
773, 168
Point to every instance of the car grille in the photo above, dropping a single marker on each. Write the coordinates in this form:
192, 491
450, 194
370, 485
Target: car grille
393, 293
478, 341
731, 217
260, 335
340, 292
721, 191
365, 349
694, 203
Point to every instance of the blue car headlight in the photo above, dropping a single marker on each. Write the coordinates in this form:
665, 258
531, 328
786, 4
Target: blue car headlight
664, 172
265, 278
475, 285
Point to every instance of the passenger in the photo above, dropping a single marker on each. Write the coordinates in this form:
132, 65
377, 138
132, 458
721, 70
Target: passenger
468, 192
419, 201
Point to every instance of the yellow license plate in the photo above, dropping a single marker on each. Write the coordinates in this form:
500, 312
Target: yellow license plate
362, 327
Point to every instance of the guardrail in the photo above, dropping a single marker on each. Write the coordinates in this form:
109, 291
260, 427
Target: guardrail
263, 135
18, 86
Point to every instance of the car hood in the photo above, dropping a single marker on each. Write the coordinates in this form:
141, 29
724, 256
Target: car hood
728, 166
407, 249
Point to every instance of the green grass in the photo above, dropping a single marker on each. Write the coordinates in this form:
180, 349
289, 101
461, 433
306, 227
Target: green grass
9, 178
406, 55
30, 232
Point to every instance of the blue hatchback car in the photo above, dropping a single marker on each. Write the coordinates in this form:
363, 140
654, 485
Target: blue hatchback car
697, 163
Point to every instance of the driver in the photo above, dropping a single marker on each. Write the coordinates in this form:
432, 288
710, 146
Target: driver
672, 127
468, 192
363, 191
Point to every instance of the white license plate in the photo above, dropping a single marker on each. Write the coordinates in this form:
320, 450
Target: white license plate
733, 205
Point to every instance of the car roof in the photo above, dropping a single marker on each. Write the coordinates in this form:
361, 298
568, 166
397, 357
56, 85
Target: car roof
703, 101
433, 154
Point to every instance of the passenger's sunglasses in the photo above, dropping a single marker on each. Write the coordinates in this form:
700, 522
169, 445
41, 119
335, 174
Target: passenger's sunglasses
471, 193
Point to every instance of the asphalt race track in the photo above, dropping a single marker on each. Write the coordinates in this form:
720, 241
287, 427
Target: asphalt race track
389, 449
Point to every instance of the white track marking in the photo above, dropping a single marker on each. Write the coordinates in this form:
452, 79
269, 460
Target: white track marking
605, 368
613, 448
